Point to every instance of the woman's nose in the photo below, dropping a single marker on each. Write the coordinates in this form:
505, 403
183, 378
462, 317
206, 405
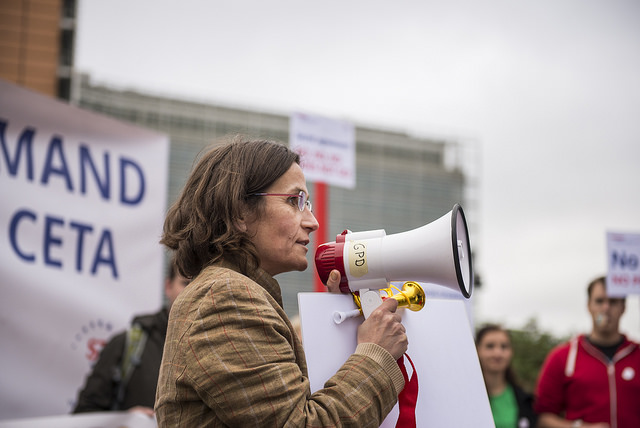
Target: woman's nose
309, 220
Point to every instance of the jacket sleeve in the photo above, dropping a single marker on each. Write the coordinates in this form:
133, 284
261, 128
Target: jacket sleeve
98, 392
242, 363
550, 389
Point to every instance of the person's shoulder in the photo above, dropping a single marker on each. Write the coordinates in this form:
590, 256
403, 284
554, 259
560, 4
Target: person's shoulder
218, 289
221, 274
151, 321
630, 344
117, 338
144, 319
562, 349
521, 394
221, 279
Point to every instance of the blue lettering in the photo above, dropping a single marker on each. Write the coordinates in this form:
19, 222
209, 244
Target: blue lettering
81, 228
25, 145
105, 242
136, 169
322, 141
625, 261
55, 149
50, 240
131, 174
87, 162
104, 255
13, 233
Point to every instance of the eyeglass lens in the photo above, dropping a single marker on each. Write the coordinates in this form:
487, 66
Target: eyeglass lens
303, 201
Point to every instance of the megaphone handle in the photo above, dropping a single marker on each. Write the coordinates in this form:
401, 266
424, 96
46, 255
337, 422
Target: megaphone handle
340, 316
369, 300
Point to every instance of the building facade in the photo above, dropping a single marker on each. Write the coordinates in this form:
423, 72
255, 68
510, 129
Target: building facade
37, 44
402, 182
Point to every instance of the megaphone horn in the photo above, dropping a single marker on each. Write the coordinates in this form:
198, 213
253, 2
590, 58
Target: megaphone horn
436, 253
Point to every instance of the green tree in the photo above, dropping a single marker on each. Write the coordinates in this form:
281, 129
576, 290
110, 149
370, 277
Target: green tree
530, 347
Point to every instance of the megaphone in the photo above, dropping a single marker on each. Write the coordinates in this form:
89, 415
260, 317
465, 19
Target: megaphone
436, 253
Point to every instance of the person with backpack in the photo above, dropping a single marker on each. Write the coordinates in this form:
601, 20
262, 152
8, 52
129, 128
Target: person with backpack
592, 381
125, 375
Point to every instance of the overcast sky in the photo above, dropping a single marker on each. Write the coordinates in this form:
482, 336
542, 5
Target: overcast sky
547, 92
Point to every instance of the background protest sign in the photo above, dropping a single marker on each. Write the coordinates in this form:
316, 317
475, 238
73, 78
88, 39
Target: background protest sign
83, 200
623, 273
327, 148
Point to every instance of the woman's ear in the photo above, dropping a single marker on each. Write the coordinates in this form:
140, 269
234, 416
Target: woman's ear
243, 223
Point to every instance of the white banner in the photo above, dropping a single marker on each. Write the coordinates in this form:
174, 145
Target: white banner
83, 200
623, 274
85, 420
327, 148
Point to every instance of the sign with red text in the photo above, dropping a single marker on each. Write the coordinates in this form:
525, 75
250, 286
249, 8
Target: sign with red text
327, 148
82, 205
623, 274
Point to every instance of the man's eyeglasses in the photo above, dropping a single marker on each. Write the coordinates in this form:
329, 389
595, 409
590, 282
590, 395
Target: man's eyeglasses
303, 198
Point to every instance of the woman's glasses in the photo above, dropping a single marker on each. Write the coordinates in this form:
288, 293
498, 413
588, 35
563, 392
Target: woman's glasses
303, 198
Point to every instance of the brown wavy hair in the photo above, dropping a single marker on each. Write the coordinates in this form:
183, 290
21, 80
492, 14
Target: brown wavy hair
200, 225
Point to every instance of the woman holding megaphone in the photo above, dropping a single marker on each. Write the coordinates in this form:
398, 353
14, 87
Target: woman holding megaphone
232, 357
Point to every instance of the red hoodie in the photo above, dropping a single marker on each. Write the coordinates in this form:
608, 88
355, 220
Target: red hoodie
578, 380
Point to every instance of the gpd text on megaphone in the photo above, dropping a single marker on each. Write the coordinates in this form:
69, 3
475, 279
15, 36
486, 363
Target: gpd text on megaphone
437, 253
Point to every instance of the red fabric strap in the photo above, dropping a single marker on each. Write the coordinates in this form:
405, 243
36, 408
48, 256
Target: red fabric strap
408, 397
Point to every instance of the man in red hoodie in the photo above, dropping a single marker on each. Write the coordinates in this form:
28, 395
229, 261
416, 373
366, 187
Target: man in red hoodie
593, 381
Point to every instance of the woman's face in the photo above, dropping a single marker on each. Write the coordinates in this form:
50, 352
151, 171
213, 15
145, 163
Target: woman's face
281, 233
494, 351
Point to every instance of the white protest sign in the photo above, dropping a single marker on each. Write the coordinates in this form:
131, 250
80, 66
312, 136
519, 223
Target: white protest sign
451, 391
85, 420
623, 253
83, 201
327, 148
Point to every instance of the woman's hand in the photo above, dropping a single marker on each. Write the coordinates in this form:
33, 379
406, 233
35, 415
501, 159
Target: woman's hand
333, 282
384, 328
147, 411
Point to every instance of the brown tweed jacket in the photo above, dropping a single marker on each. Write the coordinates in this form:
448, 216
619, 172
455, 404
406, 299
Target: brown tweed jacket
232, 359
